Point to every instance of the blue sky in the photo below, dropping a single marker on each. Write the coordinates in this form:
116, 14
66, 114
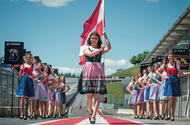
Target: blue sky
51, 29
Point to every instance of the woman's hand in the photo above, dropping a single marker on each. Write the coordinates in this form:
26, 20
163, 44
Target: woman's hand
104, 34
166, 77
13, 68
102, 47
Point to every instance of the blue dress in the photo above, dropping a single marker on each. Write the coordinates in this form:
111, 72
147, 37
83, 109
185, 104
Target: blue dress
133, 97
25, 86
172, 85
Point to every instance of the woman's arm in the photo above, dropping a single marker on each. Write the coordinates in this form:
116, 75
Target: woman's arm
140, 82
20, 74
159, 73
128, 88
107, 43
68, 88
160, 82
181, 73
87, 52
150, 82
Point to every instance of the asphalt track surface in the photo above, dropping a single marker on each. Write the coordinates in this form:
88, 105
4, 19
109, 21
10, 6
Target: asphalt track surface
78, 115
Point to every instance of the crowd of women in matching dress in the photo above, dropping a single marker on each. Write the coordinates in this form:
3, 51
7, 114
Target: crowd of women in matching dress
154, 93
42, 93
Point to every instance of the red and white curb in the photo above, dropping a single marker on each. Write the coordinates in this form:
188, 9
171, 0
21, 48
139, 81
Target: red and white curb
100, 120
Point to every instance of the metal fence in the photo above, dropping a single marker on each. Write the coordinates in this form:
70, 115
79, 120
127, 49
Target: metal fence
8, 102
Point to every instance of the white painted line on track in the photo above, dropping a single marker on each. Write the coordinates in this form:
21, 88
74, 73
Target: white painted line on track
99, 120
52, 121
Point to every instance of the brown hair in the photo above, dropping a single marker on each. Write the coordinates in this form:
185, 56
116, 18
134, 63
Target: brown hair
133, 78
167, 61
99, 41
155, 64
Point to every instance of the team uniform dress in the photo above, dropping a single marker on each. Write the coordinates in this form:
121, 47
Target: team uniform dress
61, 97
162, 88
133, 97
44, 87
147, 94
140, 94
25, 87
51, 92
172, 85
93, 76
36, 85
154, 90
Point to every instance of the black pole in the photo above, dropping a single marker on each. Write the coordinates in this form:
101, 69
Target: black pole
12, 93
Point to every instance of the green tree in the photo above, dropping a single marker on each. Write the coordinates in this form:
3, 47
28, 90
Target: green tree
133, 60
139, 58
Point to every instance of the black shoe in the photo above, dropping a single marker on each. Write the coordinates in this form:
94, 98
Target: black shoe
92, 122
162, 117
135, 116
140, 117
168, 117
156, 118
35, 117
21, 117
25, 118
31, 117
172, 118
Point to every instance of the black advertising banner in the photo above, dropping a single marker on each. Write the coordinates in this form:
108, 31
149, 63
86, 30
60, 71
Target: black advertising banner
154, 60
56, 71
13, 52
160, 58
144, 66
181, 56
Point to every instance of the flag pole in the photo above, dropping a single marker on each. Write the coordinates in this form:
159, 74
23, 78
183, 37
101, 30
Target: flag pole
103, 29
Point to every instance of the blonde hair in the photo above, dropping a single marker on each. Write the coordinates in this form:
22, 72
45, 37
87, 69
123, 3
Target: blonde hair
27, 54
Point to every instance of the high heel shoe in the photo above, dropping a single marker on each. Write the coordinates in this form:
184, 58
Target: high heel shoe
156, 117
25, 117
21, 117
162, 116
172, 118
31, 117
35, 117
93, 122
135, 116
90, 116
168, 117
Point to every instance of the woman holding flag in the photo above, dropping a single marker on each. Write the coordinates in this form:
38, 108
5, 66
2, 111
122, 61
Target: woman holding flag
92, 79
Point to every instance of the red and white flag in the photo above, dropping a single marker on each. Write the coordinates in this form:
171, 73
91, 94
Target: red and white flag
94, 23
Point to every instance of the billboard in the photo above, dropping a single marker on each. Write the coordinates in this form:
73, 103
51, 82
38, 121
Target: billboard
13, 52
181, 56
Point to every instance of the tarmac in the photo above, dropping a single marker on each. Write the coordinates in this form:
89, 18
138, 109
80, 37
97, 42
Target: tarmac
78, 115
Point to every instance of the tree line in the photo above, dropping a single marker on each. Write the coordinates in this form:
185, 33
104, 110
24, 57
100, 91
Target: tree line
139, 58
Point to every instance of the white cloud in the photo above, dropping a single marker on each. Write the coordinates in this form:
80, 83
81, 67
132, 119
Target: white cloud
153, 1
117, 63
109, 71
63, 69
52, 3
